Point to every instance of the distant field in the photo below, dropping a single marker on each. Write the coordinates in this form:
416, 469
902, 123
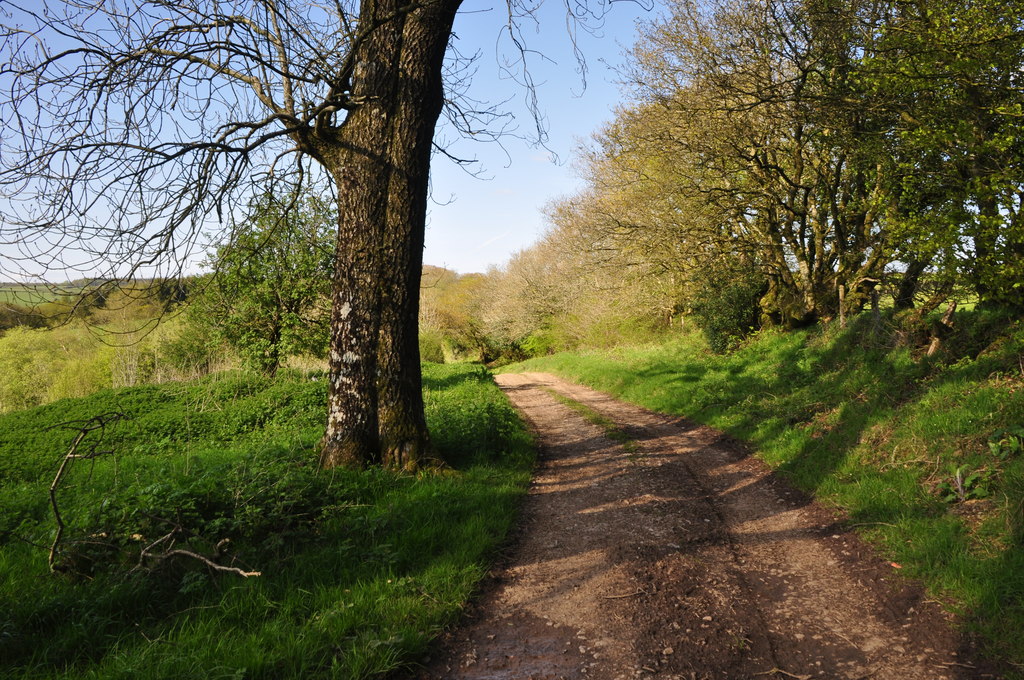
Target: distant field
27, 294
34, 294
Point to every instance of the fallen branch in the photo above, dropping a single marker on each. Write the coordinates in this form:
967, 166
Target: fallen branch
79, 450
85, 428
145, 552
210, 563
171, 551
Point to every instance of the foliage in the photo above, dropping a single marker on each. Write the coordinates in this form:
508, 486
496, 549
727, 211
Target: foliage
562, 293
40, 366
432, 346
728, 311
112, 349
13, 314
924, 450
192, 349
544, 341
949, 71
842, 149
964, 485
743, 144
359, 568
451, 327
269, 297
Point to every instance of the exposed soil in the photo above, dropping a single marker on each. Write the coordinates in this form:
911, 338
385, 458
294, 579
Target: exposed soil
684, 559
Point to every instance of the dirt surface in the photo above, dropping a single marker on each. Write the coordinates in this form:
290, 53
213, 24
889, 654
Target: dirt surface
683, 558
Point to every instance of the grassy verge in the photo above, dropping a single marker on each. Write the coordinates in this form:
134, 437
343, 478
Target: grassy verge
359, 570
926, 451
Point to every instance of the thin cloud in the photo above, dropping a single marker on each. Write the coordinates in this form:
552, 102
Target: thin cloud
493, 239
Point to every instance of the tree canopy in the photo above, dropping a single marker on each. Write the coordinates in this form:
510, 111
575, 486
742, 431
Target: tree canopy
785, 162
820, 151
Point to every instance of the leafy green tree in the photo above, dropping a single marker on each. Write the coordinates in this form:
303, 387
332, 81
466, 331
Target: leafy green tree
450, 315
774, 141
840, 146
951, 72
269, 297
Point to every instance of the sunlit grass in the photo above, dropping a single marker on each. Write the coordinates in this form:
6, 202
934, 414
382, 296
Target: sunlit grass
359, 569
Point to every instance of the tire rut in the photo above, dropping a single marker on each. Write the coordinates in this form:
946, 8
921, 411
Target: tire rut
685, 559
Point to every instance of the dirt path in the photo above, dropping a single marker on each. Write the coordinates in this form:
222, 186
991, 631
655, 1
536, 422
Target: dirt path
687, 559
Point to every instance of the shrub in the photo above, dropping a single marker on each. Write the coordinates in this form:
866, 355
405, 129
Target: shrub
432, 346
726, 307
548, 340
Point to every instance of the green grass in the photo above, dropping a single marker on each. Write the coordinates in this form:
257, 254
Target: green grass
359, 569
924, 451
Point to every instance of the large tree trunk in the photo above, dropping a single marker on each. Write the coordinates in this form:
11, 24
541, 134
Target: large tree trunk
380, 162
356, 156
351, 435
404, 438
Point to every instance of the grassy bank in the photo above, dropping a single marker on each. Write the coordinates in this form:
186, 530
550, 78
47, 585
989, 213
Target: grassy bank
358, 570
923, 452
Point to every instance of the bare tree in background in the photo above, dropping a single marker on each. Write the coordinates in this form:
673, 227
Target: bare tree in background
131, 126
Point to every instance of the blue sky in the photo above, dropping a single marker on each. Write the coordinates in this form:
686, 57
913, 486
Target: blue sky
474, 223
479, 220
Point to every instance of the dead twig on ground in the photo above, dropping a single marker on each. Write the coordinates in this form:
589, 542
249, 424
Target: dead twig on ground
85, 428
80, 449
210, 563
168, 538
